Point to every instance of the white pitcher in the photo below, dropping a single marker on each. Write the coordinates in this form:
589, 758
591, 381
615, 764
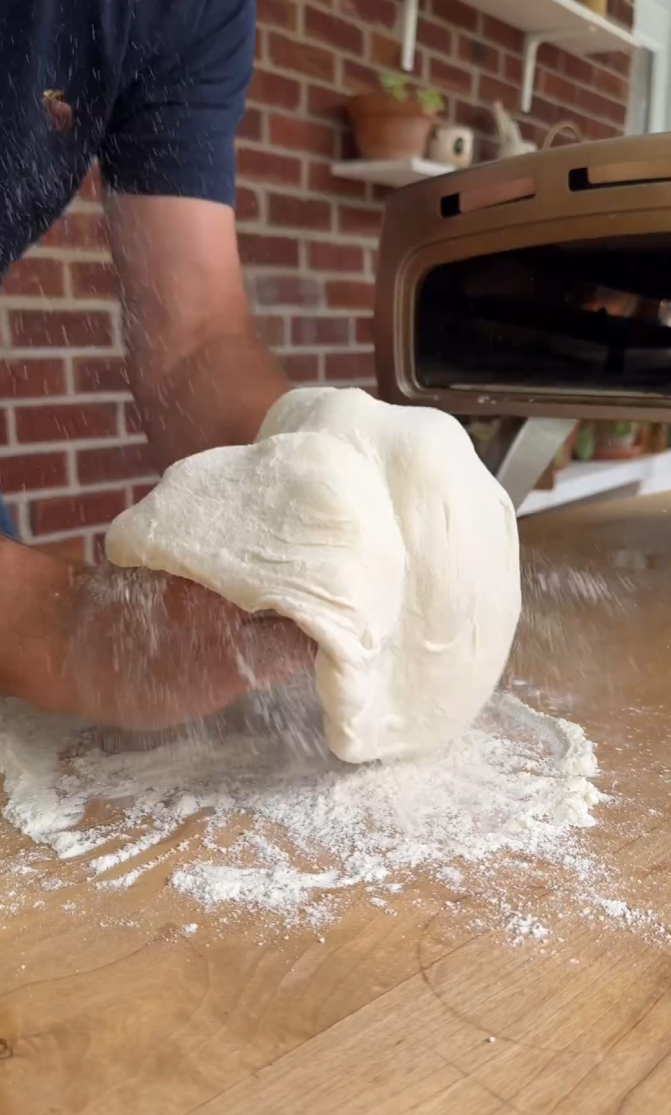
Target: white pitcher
452, 144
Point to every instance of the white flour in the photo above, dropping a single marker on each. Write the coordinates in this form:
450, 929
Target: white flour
287, 830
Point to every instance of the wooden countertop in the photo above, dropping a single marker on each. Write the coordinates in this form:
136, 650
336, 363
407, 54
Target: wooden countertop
117, 1013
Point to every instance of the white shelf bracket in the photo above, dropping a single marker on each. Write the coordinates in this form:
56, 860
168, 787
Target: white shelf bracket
530, 56
409, 36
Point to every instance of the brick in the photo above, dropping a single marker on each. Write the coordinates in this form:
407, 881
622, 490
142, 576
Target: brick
286, 290
371, 11
298, 212
94, 280
67, 549
477, 117
359, 221
323, 256
269, 166
322, 181
119, 462
139, 491
452, 11
434, 36
246, 204
31, 379
450, 77
91, 188
556, 88
512, 69
343, 294
260, 44
491, 89
577, 69
326, 102
617, 61
78, 230
270, 329
349, 365
60, 328
62, 422
278, 13
302, 58
611, 85
274, 89
250, 125
133, 419
385, 52
596, 105
502, 34
35, 276
475, 53
3, 428
268, 251
301, 366
315, 331
547, 111
550, 56
31, 471
338, 33
358, 78
302, 135
364, 330
49, 516
597, 129
101, 373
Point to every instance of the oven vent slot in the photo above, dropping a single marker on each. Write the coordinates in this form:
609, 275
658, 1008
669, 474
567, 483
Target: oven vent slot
582, 179
487, 197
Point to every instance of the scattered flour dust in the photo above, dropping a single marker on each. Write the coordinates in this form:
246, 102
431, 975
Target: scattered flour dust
285, 830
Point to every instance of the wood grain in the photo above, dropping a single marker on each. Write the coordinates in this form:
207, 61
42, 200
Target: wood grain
114, 1012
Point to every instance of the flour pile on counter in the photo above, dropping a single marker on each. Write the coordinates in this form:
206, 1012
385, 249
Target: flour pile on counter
378, 530
267, 819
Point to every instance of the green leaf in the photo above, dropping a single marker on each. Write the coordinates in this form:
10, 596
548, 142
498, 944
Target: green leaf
430, 100
395, 85
585, 442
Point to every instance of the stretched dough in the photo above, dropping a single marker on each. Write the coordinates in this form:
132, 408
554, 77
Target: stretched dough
375, 528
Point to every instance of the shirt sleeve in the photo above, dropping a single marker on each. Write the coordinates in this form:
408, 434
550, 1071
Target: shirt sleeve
172, 131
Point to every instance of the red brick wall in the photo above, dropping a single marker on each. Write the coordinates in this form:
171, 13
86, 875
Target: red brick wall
72, 453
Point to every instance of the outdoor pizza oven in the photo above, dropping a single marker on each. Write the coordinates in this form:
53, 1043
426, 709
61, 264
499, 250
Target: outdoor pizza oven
539, 286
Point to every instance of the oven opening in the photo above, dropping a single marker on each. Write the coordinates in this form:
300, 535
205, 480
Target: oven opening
587, 317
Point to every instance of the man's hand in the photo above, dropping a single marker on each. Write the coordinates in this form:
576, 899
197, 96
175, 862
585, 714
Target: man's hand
200, 377
135, 650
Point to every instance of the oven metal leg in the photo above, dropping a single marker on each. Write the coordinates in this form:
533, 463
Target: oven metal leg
534, 447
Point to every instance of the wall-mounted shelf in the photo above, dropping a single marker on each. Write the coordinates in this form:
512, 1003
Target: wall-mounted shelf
641, 476
564, 22
389, 172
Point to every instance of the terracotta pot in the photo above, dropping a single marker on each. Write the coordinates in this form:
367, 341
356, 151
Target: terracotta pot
389, 129
610, 446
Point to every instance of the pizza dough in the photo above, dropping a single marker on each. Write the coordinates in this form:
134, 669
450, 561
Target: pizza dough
375, 528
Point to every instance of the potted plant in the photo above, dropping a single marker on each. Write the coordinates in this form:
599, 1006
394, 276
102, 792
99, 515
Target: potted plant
393, 122
609, 441
617, 441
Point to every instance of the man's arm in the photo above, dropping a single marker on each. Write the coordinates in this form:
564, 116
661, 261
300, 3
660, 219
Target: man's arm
135, 650
197, 372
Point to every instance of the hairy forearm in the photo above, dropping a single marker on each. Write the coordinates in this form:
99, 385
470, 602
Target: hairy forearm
32, 589
215, 393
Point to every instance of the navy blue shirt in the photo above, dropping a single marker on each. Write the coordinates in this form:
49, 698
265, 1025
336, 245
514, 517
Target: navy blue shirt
154, 88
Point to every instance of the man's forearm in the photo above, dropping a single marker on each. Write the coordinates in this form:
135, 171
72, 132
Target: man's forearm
32, 588
216, 394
